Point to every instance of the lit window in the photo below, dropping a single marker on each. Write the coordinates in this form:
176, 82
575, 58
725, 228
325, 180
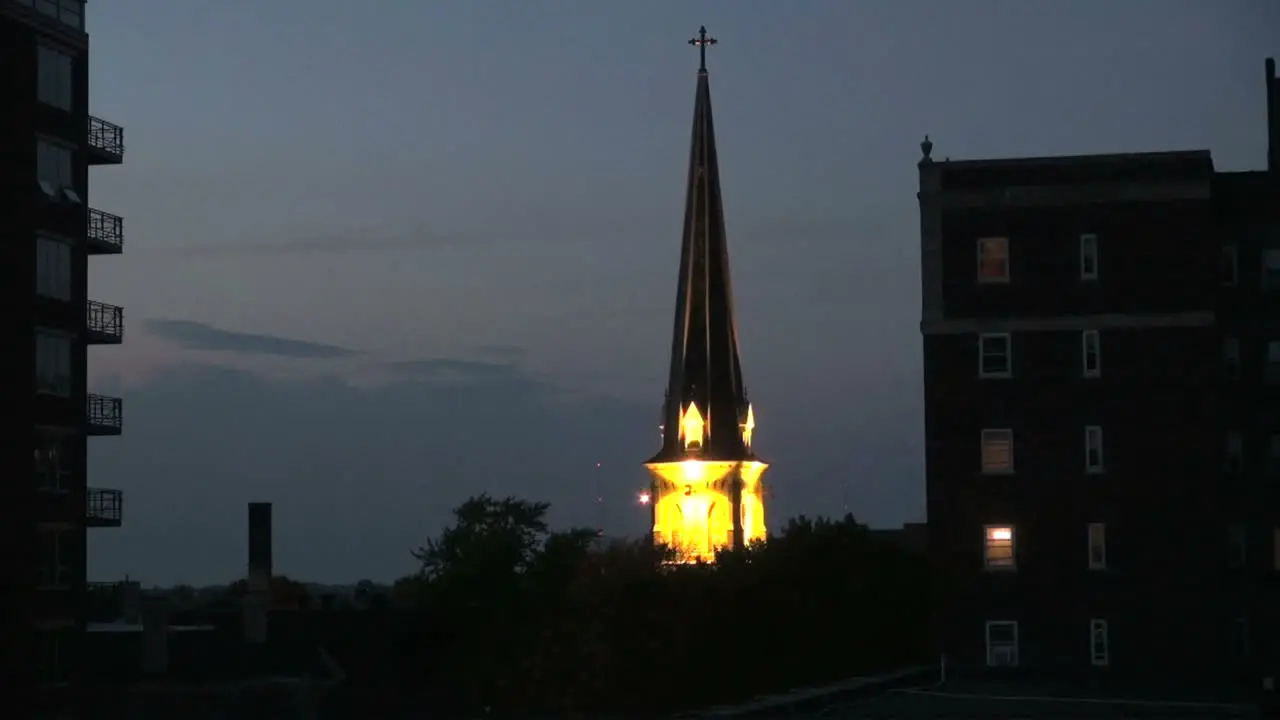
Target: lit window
1093, 450
1099, 652
1271, 268
1097, 546
1002, 643
53, 363
1237, 547
1235, 452
55, 79
1231, 358
993, 260
997, 451
1229, 265
1091, 353
994, 356
1089, 257
998, 549
53, 268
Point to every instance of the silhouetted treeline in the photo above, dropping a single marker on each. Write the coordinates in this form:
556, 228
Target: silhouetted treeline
507, 615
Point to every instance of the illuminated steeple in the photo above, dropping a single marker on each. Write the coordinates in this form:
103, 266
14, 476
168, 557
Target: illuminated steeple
706, 490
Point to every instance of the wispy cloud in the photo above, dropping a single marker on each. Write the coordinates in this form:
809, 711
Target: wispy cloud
454, 369
508, 352
200, 336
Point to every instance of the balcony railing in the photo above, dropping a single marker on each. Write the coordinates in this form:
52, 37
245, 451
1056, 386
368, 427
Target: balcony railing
105, 415
106, 142
106, 233
103, 508
105, 322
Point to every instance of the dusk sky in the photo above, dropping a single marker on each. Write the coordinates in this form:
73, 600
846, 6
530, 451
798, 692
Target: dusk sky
386, 254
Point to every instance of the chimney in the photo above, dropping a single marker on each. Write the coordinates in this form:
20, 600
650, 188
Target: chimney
1273, 117
257, 595
131, 602
155, 635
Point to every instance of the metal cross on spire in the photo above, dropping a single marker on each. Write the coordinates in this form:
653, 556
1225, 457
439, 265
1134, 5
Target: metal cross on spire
701, 42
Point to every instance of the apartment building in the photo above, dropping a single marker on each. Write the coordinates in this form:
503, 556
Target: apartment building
48, 143
1102, 391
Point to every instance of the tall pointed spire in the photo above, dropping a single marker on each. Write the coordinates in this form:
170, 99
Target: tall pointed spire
705, 368
707, 493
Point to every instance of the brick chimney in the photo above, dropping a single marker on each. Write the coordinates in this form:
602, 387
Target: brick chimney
257, 597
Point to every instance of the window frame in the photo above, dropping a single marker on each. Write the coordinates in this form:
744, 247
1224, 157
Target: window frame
1098, 629
1275, 549
1085, 337
983, 278
991, 647
1237, 547
1270, 275
65, 257
57, 67
1093, 433
59, 387
983, 372
53, 477
1096, 536
57, 185
989, 542
1088, 253
994, 434
58, 577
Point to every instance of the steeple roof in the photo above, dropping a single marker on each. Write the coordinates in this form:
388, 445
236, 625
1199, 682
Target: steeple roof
705, 366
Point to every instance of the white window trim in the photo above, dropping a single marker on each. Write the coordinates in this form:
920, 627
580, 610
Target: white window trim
1085, 338
1013, 548
1229, 260
995, 432
1098, 626
999, 279
1088, 251
1101, 529
991, 655
1091, 433
1008, 354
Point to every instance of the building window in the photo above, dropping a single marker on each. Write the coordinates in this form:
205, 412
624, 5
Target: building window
1273, 361
1093, 450
1240, 638
53, 363
54, 170
1089, 257
1231, 358
1099, 650
998, 549
1002, 643
55, 83
1237, 547
1271, 268
1229, 274
53, 459
993, 260
51, 668
54, 548
995, 357
53, 268
1091, 351
1275, 549
70, 12
1235, 452
997, 452
1097, 546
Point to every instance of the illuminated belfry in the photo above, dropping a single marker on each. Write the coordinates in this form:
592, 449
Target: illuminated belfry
706, 492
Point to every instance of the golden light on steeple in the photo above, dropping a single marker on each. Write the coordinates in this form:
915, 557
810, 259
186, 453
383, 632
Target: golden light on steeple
691, 427
749, 426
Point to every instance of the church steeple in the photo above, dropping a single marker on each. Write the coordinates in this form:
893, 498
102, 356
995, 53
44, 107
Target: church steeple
705, 372
706, 493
